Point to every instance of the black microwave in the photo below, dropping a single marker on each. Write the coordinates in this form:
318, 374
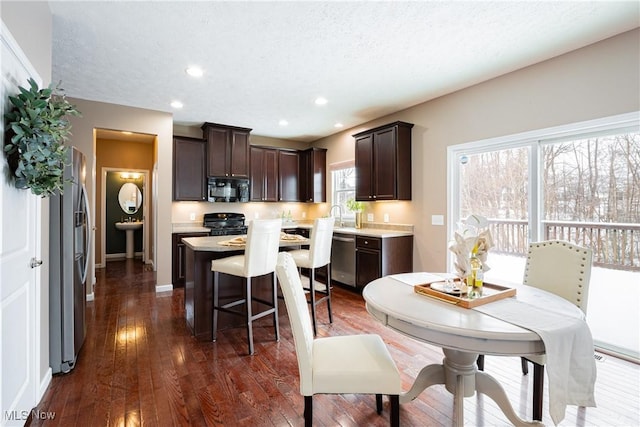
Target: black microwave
228, 190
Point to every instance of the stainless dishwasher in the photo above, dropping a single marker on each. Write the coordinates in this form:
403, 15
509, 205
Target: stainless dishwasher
343, 259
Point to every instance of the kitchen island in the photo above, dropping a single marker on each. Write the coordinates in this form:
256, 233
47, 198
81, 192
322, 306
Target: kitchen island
198, 289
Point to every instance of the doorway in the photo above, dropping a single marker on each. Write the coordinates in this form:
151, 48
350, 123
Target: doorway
125, 195
129, 156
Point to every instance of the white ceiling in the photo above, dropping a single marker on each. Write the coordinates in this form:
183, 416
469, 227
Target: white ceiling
267, 61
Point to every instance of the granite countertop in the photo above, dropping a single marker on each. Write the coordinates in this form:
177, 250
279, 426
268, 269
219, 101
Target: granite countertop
211, 244
182, 228
370, 231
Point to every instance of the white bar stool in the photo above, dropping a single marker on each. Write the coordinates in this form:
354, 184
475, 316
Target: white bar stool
318, 255
260, 258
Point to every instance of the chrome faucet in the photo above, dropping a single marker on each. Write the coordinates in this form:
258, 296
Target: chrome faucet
341, 223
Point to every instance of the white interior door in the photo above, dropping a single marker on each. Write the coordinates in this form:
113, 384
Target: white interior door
19, 279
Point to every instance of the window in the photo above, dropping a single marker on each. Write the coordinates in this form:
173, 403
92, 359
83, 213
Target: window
343, 182
577, 182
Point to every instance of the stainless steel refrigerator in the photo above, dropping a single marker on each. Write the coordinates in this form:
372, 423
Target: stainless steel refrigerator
69, 244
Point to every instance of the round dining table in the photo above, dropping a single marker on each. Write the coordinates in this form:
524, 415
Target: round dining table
462, 333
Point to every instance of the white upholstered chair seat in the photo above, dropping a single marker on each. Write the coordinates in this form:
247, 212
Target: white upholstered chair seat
354, 364
350, 364
233, 265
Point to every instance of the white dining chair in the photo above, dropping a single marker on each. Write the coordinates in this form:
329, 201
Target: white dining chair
561, 268
318, 255
259, 259
353, 364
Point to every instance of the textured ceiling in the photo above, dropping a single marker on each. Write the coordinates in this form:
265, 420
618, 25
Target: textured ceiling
268, 61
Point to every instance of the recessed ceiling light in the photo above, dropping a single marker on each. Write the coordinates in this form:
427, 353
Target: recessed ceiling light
176, 104
338, 125
195, 71
321, 101
283, 122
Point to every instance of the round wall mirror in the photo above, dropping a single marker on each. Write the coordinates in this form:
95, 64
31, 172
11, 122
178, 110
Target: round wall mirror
130, 198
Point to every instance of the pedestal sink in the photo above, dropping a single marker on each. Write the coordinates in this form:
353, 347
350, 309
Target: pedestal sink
129, 228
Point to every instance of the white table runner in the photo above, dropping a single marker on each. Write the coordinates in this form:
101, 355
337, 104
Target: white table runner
571, 367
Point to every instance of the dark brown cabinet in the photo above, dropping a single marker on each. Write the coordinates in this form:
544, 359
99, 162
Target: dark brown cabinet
377, 257
313, 175
383, 163
178, 255
264, 174
227, 150
189, 169
288, 174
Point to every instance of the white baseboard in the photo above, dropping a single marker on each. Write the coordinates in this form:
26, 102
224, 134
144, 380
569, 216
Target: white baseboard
44, 384
164, 288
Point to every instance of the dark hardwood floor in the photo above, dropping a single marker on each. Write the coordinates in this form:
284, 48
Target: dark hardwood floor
140, 366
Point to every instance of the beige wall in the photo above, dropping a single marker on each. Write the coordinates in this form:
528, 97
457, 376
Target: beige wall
99, 115
597, 81
35, 37
126, 155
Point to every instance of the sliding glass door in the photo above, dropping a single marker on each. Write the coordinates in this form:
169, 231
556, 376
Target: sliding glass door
579, 183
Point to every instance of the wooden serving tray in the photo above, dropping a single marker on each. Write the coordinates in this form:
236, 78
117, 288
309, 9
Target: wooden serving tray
490, 293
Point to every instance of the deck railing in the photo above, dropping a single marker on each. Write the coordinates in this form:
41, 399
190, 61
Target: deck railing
614, 245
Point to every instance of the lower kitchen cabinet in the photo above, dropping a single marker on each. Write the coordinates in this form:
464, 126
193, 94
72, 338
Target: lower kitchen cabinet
377, 257
178, 255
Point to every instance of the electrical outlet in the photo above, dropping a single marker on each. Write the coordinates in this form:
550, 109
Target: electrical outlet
304, 215
385, 217
370, 217
192, 216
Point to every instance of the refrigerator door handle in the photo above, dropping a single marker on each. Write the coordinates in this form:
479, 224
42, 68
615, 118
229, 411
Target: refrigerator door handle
87, 216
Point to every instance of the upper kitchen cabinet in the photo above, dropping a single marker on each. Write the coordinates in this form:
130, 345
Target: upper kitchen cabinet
228, 150
313, 175
383, 163
264, 174
288, 172
189, 169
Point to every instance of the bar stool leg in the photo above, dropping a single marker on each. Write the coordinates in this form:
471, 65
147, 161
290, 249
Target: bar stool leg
274, 283
329, 293
249, 316
215, 304
312, 291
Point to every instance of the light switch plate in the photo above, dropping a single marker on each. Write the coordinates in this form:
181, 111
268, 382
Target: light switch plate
437, 219
192, 216
370, 217
385, 217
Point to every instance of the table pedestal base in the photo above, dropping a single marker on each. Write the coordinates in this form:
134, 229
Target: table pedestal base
459, 375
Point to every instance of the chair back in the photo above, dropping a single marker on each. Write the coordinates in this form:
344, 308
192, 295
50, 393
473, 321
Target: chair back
263, 242
296, 302
561, 268
320, 244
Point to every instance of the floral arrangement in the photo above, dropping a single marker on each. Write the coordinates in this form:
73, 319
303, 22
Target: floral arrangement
471, 237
